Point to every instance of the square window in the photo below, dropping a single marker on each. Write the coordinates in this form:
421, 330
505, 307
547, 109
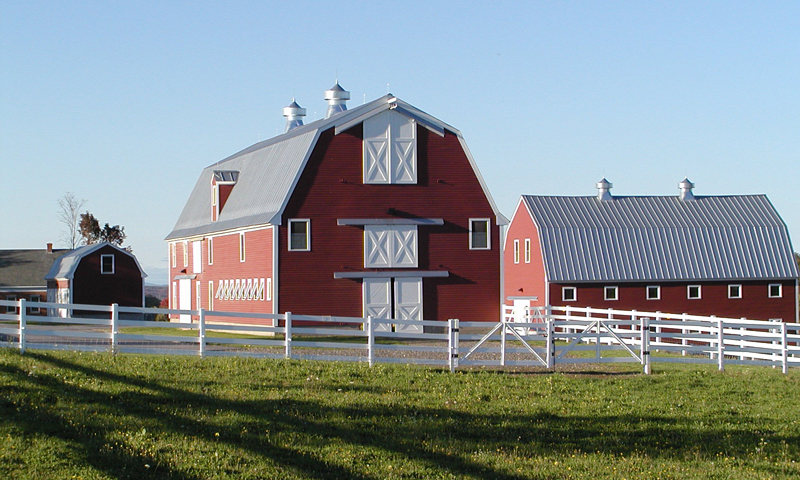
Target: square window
734, 291
107, 264
611, 293
775, 290
300, 235
653, 292
693, 292
569, 294
479, 234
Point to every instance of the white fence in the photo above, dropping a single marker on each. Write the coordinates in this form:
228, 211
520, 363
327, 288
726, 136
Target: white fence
543, 338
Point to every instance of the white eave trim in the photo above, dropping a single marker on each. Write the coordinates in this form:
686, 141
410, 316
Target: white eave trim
394, 274
390, 221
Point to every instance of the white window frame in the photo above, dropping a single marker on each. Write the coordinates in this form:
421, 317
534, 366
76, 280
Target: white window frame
516, 250
174, 254
197, 256
527, 250
211, 295
102, 264
611, 293
11, 308
186, 254
472, 234
210, 249
735, 290
307, 222
689, 295
198, 286
267, 290
242, 246
35, 299
657, 290
780, 290
564, 291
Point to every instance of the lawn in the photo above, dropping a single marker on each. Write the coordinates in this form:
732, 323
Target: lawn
98, 416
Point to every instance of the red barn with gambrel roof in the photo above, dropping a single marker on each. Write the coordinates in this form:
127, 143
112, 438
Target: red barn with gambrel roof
377, 210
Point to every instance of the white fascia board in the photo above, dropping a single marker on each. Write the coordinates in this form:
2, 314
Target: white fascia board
220, 233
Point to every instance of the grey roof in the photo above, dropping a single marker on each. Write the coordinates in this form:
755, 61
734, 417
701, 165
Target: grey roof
64, 267
642, 238
26, 268
269, 171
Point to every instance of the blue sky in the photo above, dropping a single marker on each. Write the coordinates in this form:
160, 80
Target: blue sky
124, 103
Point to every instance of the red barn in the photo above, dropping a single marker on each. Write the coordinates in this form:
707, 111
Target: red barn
728, 256
377, 210
96, 274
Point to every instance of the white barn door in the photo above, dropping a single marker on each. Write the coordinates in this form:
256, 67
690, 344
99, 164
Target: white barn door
408, 303
378, 300
185, 298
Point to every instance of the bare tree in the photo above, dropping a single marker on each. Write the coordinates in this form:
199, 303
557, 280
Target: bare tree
69, 214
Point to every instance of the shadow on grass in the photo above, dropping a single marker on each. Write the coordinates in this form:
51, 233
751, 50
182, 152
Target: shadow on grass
438, 438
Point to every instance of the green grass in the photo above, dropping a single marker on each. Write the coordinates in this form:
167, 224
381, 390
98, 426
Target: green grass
97, 416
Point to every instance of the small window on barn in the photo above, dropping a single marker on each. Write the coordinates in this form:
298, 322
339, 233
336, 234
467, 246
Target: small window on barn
653, 292
300, 235
479, 234
569, 294
241, 247
527, 250
11, 308
210, 249
107, 264
734, 291
516, 251
185, 254
775, 290
35, 299
174, 254
611, 293
693, 292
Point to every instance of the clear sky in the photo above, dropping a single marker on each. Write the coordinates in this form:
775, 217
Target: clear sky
124, 103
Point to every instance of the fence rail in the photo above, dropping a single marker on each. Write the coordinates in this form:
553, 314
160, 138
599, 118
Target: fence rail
543, 337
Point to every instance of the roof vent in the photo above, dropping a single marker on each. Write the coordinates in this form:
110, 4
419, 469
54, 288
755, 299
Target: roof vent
604, 190
686, 190
294, 114
336, 98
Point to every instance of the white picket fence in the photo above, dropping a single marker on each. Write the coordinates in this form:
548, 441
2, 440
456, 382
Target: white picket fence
543, 338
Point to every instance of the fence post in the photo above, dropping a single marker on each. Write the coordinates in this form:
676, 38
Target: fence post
22, 324
114, 326
721, 345
288, 335
645, 346
550, 342
684, 341
201, 329
370, 341
785, 347
503, 342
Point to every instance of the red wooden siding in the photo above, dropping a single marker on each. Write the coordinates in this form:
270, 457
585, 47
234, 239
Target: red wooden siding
755, 303
124, 287
524, 279
331, 188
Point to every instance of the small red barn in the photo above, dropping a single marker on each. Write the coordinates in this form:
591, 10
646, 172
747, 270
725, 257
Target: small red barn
97, 274
377, 210
728, 256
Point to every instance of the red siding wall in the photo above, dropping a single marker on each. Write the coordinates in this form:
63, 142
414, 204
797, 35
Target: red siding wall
124, 287
755, 303
524, 279
332, 188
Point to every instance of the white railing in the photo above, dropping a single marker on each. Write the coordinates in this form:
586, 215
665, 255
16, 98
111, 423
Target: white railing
544, 337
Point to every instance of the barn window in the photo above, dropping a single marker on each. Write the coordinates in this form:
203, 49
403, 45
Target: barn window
693, 292
390, 246
569, 294
11, 308
185, 254
527, 250
174, 254
35, 299
300, 235
241, 247
653, 292
734, 291
390, 149
107, 264
775, 290
516, 250
211, 295
210, 249
479, 235
611, 293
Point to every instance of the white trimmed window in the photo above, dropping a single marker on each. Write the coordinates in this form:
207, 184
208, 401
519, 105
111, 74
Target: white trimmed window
173, 254
653, 292
479, 238
516, 251
390, 246
267, 289
211, 295
734, 291
197, 256
198, 295
390, 149
35, 299
569, 294
611, 293
210, 249
299, 232
107, 264
11, 308
241, 247
775, 290
527, 250
694, 292
185, 254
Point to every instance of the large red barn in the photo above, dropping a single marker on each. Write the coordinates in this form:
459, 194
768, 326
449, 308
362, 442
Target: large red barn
376, 210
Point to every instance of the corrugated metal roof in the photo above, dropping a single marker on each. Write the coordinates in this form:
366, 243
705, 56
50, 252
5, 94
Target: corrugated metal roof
64, 267
269, 171
641, 238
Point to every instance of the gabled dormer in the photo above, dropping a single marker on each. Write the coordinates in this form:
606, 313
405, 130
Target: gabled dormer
222, 183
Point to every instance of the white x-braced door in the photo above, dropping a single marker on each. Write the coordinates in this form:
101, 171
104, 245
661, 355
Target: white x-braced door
390, 246
408, 303
377, 294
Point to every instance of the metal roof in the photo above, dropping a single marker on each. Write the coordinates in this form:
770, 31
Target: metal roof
643, 238
64, 267
269, 171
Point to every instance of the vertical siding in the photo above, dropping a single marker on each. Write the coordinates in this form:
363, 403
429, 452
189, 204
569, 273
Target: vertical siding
331, 188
